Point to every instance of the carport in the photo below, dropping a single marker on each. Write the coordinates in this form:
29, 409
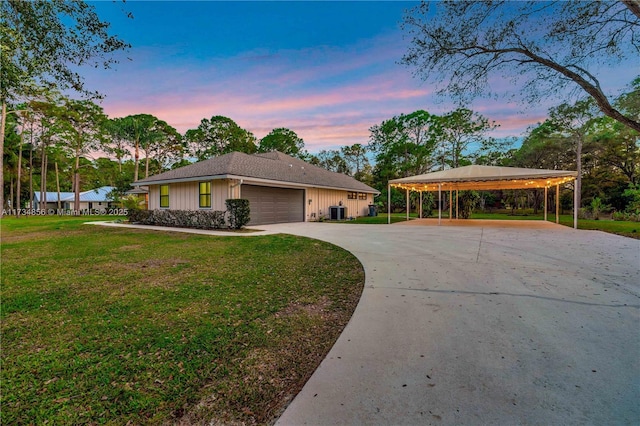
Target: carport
481, 178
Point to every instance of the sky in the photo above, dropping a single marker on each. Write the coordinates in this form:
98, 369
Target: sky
326, 70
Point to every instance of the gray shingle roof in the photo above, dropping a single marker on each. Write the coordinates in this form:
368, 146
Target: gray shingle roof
274, 166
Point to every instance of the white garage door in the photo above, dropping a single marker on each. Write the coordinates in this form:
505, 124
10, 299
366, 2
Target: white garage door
274, 205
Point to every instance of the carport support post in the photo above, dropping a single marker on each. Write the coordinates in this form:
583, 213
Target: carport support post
450, 203
576, 188
420, 205
545, 203
457, 216
439, 203
389, 204
558, 203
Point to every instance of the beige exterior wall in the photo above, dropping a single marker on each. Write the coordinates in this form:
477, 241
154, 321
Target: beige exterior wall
322, 199
184, 196
96, 205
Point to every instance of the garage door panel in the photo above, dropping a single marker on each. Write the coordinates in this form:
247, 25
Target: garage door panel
274, 205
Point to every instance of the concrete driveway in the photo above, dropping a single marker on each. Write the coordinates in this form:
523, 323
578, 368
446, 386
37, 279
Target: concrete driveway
484, 324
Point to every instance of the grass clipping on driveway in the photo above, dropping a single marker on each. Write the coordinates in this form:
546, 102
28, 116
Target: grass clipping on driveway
107, 325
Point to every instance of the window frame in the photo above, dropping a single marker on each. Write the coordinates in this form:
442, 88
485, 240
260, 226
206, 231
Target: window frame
204, 194
363, 196
164, 196
352, 195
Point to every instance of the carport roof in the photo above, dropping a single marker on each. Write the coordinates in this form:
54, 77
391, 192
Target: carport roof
271, 166
485, 177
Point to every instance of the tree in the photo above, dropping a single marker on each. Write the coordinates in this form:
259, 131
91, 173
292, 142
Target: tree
330, 159
356, 158
161, 143
404, 145
466, 43
166, 147
217, 136
573, 122
43, 43
285, 141
82, 125
139, 130
116, 144
460, 128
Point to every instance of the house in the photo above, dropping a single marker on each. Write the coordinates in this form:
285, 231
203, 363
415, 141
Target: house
97, 199
279, 188
52, 200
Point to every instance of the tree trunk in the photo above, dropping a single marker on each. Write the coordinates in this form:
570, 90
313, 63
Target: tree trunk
31, 170
137, 161
579, 170
58, 186
19, 174
11, 206
3, 120
43, 178
146, 166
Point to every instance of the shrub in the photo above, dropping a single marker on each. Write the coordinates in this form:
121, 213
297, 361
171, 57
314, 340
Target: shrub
583, 213
596, 207
199, 219
632, 194
239, 212
619, 216
131, 202
467, 201
428, 203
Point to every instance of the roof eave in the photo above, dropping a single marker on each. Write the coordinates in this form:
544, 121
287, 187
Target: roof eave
252, 179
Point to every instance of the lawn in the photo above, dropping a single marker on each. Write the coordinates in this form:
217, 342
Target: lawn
627, 229
120, 326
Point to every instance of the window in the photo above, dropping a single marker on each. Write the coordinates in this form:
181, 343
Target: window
205, 195
164, 196
352, 195
362, 196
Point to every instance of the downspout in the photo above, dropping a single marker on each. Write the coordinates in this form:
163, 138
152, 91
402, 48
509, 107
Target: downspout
233, 186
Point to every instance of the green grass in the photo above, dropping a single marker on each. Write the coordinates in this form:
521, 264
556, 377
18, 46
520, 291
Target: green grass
116, 326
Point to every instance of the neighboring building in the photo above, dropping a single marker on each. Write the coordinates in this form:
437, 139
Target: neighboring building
279, 188
97, 199
52, 200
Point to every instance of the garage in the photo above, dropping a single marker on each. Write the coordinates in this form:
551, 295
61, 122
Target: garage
274, 205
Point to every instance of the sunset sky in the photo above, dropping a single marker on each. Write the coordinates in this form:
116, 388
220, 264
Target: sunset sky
327, 70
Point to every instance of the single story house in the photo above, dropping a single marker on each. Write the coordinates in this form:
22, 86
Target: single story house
279, 188
98, 199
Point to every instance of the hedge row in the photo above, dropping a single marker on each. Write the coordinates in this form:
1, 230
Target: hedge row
199, 219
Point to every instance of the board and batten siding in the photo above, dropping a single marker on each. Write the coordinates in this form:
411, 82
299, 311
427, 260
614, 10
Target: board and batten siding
322, 199
185, 195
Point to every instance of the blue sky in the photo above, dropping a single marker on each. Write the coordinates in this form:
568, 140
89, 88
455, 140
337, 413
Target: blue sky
327, 70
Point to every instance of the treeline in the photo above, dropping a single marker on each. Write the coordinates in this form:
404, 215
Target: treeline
71, 145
